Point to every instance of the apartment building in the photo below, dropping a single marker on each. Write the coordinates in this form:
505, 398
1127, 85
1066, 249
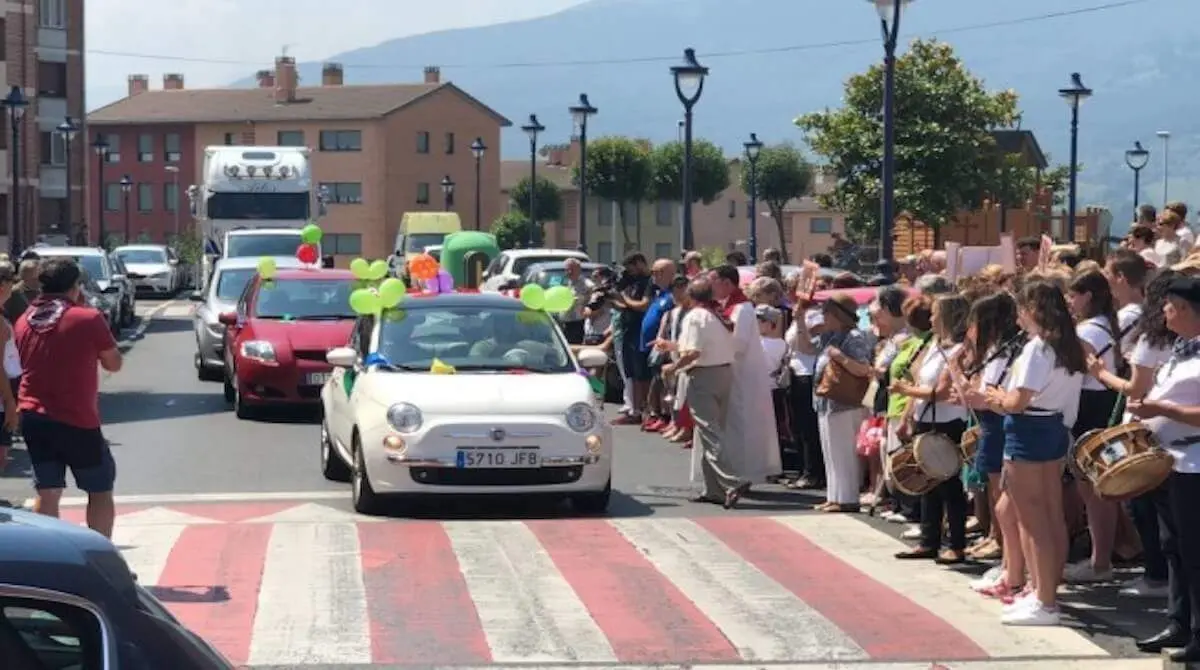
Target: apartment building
42, 43
379, 151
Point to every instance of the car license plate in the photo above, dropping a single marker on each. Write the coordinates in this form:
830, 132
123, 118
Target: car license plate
318, 378
498, 457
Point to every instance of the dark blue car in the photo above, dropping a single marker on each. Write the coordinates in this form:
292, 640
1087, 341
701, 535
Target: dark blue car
69, 602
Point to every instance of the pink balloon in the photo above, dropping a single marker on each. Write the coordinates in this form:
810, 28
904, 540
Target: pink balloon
445, 283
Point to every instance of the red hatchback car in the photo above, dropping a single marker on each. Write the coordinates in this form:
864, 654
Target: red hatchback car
275, 342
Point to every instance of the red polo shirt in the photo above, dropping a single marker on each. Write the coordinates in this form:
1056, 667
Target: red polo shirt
60, 344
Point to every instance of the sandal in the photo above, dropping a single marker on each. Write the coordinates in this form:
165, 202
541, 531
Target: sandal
838, 508
950, 557
705, 499
916, 553
731, 498
821, 507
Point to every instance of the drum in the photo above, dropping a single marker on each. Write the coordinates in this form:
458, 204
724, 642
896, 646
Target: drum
969, 445
1121, 462
906, 475
937, 455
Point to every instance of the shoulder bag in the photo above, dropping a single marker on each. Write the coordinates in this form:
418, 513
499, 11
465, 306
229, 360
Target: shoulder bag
839, 385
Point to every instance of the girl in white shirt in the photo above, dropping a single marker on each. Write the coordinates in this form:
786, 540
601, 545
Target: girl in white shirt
1040, 400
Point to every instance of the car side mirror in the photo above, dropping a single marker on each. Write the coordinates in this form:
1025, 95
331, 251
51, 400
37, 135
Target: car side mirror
118, 277
342, 357
173, 261
196, 296
592, 357
111, 288
228, 318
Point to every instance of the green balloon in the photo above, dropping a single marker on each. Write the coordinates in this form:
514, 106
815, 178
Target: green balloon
377, 270
267, 267
533, 296
360, 268
559, 299
364, 301
392, 291
310, 234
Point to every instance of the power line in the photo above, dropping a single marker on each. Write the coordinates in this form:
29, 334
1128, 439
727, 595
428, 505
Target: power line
811, 46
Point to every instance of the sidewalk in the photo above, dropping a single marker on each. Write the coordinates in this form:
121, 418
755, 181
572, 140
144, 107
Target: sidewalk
14, 480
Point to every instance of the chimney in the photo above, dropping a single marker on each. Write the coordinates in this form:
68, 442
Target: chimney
138, 83
172, 82
331, 74
266, 78
285, 79
433, 75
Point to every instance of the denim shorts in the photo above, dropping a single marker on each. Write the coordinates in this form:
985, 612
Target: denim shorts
54, 447
989, 455
635, 361
1035, 439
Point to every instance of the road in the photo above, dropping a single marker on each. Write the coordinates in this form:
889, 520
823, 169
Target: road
232, 524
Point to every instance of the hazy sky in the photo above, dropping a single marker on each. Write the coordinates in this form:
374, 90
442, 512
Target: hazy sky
178, 35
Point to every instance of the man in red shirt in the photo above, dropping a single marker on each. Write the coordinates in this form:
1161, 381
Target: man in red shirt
60, 340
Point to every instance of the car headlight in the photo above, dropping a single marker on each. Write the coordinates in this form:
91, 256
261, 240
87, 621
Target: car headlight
581, 417
160, 275
404, 418
259, 350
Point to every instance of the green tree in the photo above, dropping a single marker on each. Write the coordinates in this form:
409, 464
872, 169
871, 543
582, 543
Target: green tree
781, 174
512, 231
945, 154
710, 172
548, 199
618, 170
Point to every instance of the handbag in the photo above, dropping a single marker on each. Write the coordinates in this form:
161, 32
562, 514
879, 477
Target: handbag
841, 386
783, 374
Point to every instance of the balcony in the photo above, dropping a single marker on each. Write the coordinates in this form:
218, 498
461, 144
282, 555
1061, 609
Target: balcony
53, 180
51, 112
52, 41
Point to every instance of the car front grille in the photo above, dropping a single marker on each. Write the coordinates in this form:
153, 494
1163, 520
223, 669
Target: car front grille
309, 355
498, 477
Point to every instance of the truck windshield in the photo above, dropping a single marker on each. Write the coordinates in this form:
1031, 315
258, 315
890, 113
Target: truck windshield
258, 206
418, 241
271, 244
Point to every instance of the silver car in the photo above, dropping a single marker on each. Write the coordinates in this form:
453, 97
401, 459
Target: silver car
224, 289
154, 268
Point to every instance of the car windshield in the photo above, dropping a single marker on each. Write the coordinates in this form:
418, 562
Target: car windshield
304, 299
475, 339
245, 246
93, 265
520, 264
146, 256
416, 242
231, 283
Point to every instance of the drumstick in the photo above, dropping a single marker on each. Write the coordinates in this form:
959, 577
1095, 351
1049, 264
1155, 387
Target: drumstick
960, 385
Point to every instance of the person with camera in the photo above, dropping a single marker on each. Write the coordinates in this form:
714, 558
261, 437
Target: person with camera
632, 296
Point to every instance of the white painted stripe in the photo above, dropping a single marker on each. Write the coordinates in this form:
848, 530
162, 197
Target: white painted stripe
762, 619
146, 548
310, 605
528, 611
1141, 663
184, 498
943, 592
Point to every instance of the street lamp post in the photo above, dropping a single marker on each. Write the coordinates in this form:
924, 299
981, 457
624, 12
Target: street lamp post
447, 193
67, 131
126, 189
174, 171
478, 149
689, 85
889, 23
1137, 158
1074, 94
533, 129
753, 147
580, 113
101, 148
15, 103
1165, 136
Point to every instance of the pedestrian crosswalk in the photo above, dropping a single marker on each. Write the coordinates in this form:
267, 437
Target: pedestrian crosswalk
291, 584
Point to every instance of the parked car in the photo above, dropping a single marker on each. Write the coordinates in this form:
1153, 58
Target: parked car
511, 264
552, 273
277, 336
221, 295
68, 601
153, 268
105, 301
105, 270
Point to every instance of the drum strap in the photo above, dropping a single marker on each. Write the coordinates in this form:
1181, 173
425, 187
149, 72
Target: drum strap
1118, 410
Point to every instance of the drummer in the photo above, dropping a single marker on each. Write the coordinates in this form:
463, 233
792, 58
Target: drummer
1040, 402
1172, 412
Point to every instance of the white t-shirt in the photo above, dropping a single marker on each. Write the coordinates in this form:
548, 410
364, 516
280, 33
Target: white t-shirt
1152, 256
1095, 331
776, 352
1146, 356
1187, 239
1054, 389
996, 371
931, 366
803, 365
703, 331
1127, 318
1169, 251
1177, 382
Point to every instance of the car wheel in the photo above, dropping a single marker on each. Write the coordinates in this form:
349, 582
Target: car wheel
230, 391
204, 372
365, 500
593, 503
240, 409
332, 466
127, 314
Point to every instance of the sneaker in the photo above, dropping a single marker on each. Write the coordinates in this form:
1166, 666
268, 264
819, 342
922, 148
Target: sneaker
1019, 600
913, 533
627, 420
989, 579
1083, 573
1034, 614
895, 517
1144, 588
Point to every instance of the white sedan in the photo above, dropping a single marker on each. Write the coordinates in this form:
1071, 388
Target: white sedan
464, 394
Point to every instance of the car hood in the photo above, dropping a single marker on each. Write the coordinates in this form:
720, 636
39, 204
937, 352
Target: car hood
304, 335
474, 393
147, 269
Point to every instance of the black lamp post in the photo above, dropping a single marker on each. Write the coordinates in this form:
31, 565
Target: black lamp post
753, 147
126, 189
447, 193
1075, 94
1137, 158
889, 23
101, 148
580, 113
478, 149
533, 129
67, 130
689, 84
16, 103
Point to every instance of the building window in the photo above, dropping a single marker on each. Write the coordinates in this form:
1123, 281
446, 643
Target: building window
604, 213
228, 139
422, 142
52, 79
54, 149
341, 140
664, 214
820, 225
172, 148
112, 197
145, 197
423, 193
604, 252
113, 141
145, 148
343, 193
289, 138
449, 143
662, 250
733, 209
342, 244
53, 14
3, 36
170, 196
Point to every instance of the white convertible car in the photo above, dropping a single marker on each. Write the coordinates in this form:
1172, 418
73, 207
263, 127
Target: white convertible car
464, 394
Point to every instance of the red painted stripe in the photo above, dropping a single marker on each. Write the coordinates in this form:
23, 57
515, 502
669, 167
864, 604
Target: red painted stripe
78, 514
887, 625
417, 600
644, 616
211, 583
234, 512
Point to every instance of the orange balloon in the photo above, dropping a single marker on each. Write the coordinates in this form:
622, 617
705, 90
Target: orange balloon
423, 266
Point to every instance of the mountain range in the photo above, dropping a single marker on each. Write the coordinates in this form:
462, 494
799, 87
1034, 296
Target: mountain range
772, 60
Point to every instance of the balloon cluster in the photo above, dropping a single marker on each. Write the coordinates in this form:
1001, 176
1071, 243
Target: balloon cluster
379, 292
310, 237
433, 277
557, 299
